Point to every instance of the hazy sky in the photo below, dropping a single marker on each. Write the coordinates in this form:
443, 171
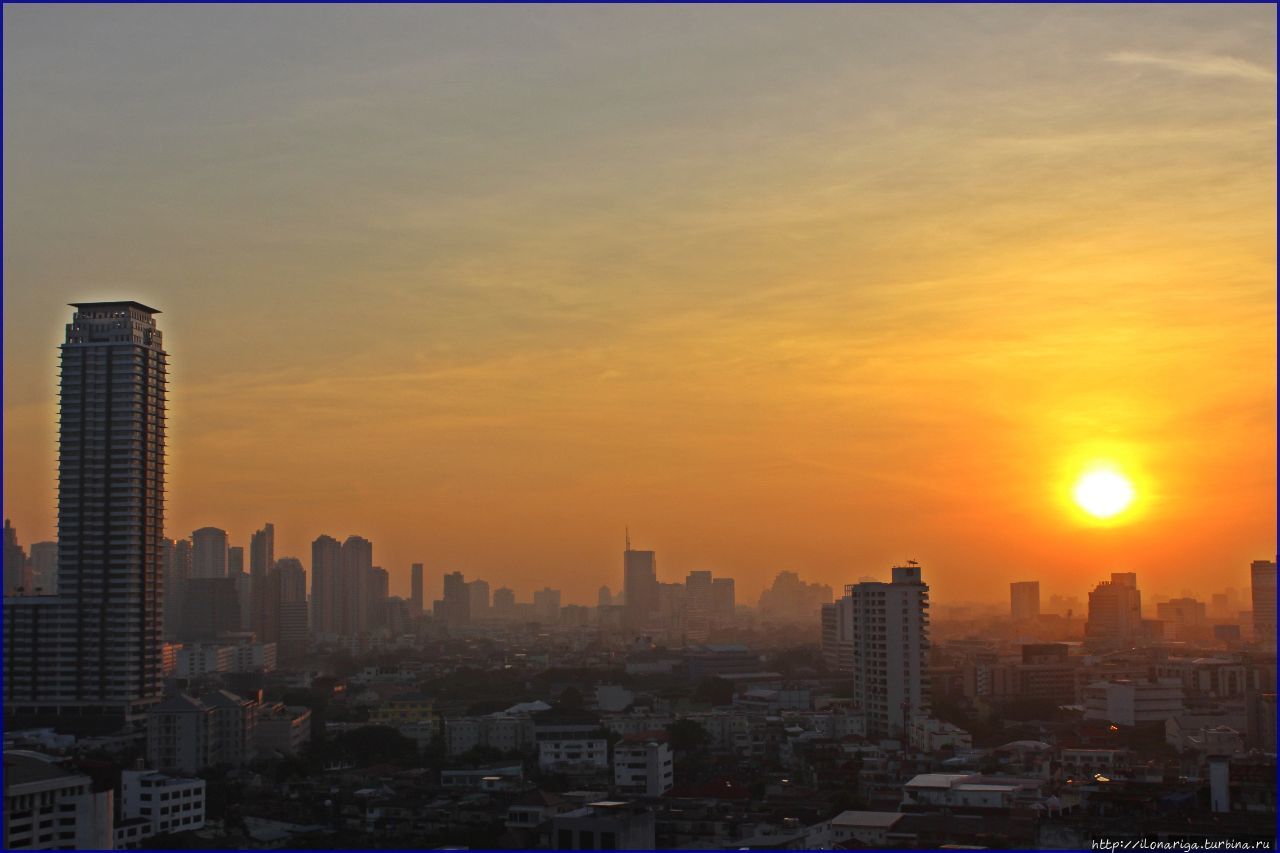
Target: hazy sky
817, 289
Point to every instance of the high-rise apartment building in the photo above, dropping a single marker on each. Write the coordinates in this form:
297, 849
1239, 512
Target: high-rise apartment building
504, 603
415, 590
1115, 612
546, 605
326, 587
1024, 600
640, 586
209, 553
888, 627
479, 592
96, 646
1262, 574
262, 559
379, 596
177, 559
238, 575
456, 604
357, 568
723, 603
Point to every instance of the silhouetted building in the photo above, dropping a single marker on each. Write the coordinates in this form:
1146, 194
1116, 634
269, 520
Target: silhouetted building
209, 610
456, 604
792, 600
209, 553
262, 559
1262, 575
415, 590
15, 563
357, 568
236, 571
1115, 612
504, 603
640, 586
604, 597
1024, 600
326, 586
479, 592
177, 572
379, 595
723, 602
546, 605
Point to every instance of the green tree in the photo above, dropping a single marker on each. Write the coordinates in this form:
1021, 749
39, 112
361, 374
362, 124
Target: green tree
688, 736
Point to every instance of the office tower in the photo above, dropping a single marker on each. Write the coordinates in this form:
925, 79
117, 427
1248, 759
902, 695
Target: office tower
235, 571
640, 586
790, 599
604, 598
290, 618
416, 590
15, 563
1262, 574
44, 567
176, 559
479, 592
697, 606
357, 566
1024, 600
1115, 612
723, 602
262, 559
379, 595
209, 553
96, 647
210, 609
888, 624
457, 600
546, 605
504, 603
326, 587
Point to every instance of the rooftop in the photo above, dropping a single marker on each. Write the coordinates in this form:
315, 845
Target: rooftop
127, 303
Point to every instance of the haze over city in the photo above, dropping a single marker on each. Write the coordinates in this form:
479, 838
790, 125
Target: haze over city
808, 289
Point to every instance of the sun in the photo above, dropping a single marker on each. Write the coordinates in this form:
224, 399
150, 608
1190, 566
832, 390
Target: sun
1103, 493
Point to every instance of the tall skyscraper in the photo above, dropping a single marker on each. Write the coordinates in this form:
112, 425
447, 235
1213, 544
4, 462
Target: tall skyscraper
888, 627
479, 591
546, 605
504, 603
1262, 574
456, 604
1115, 612
290, 581
697, 605
326, 587
262, 559
640, 586
415, 590
177, 574
244, 594
357, 567
1024, 600
96, 647
209, 553
379, 595
723, 601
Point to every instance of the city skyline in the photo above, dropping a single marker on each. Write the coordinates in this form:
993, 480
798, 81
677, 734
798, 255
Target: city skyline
848, 325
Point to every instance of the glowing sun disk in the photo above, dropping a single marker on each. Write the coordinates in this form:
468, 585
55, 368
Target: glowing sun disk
1104, 494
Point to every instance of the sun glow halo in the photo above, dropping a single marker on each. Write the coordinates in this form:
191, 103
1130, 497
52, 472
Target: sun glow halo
1103, 493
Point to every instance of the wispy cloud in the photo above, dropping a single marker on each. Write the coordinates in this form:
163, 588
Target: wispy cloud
1198, 65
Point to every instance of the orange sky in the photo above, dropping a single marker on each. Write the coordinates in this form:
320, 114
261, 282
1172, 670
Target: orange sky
815, 289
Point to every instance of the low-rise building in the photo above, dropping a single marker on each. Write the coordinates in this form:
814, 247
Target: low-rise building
867, 829
1125, 702
643, 765
153, 803
47, 807
604, 825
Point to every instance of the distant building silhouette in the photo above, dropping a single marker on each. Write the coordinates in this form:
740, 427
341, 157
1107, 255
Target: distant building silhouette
416, 594
1024, 600
1262, 576
43, 562
479, 593
209, 553
455, 607
1115, 612
357, 571
262, 559
640, 586
326, 587
792, 600
15, 562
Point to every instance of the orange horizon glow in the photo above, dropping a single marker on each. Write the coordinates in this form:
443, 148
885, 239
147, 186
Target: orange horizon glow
815, 289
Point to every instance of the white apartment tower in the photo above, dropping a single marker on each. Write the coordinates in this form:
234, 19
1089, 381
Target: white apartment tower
888, 627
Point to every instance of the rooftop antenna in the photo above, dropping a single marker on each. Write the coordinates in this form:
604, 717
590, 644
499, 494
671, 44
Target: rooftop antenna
628, 529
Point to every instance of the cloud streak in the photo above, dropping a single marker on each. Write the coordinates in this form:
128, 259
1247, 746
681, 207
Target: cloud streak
1198, 65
